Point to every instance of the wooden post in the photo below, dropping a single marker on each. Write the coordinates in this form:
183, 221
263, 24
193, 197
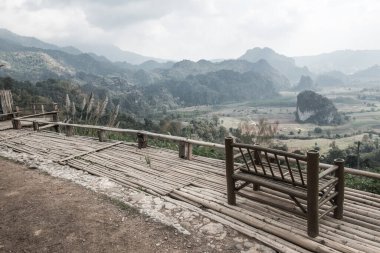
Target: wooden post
312, 193
339, 187
102, 135
34, 109
189, 151
142, 140
16, 124
36, 127
182, 149
69, 131
56, 119
55, 106
229, 150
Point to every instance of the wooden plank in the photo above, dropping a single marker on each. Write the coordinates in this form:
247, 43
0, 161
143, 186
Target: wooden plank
300, 192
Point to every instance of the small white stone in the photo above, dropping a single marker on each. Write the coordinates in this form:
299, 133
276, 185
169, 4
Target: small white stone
238, 239
239, 246
248, 244
137, 197
212, 228
206, 220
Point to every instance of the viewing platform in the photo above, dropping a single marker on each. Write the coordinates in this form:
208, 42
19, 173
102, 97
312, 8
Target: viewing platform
269, 216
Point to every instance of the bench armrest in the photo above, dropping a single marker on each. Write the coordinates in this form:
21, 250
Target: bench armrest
328, 171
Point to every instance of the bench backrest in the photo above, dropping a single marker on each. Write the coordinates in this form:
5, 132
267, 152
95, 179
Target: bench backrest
275, 164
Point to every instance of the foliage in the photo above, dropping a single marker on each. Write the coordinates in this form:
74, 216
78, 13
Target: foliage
369, 159
318, 130
261, 132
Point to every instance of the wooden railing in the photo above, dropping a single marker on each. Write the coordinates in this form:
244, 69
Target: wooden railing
185, 144
36, 108
29, 110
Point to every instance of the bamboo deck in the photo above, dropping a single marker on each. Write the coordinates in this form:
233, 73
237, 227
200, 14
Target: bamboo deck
4, 125
271, 218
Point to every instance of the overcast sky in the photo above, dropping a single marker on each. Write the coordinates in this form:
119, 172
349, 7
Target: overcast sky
195, 29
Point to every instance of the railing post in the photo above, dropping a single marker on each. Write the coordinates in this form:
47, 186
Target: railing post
69, 131
102, 135
312, 193
182, 149
56, 119
36, 127
189, 152
16, 124
185, 150
142, 140
339, 187
231, 196
34, 109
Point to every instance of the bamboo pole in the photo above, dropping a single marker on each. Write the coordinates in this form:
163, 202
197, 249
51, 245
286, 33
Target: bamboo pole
231, 196
312, 193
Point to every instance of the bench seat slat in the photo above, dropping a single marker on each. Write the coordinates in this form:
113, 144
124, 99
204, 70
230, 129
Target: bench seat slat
298, 192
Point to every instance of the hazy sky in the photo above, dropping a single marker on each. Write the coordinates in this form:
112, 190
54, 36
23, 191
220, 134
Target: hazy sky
195, 29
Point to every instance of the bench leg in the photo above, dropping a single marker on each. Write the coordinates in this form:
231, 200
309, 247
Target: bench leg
231, 194
339, 187
312, 193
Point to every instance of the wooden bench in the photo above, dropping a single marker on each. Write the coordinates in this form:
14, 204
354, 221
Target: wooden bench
298, 176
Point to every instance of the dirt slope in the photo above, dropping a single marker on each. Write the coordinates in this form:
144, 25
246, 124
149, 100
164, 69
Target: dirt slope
39, 213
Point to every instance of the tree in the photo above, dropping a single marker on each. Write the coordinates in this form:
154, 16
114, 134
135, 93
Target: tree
334, 153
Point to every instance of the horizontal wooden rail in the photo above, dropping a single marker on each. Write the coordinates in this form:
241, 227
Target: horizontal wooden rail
331, 169
23, 118
119, 130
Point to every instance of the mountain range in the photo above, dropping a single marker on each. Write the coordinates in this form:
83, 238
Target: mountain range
28, 58
346, 61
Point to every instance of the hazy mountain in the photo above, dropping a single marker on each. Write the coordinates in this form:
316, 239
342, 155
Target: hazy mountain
33, 42
370, 75
346, 61
331, 79
220, 87
35, 64
185, 68
116, 54
111, 52
151, 65
282, 63
305, 83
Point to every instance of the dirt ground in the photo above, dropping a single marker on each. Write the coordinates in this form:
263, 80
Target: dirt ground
39, 213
